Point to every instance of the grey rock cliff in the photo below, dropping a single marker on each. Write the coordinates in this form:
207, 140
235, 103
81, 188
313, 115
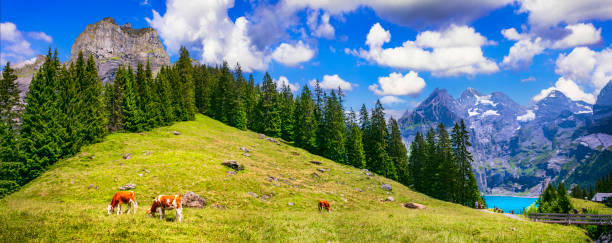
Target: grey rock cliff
112, 45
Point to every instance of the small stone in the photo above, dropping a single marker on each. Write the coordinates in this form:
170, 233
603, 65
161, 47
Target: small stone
253, 194
367, 172
176, 133
261, 136
97, 187
127, 187
245, 149
358, 189
290, 203
321, 170
315, 175
247, 155
390, 199
272, 178
192, 200
140, 175
233, 164
231, 173
347, 172
386, 187
414, 205
267, 196
90, 186
220, 207
127, 156
146, 171
316, 162
295, 153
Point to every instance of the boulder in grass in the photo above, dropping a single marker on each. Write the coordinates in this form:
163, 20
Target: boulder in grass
386, 187
390, 199
127, 156
414, 205
316, 162
129, 186
261, 136
233, 164
245, 149
176, 133
321, 170
192, 200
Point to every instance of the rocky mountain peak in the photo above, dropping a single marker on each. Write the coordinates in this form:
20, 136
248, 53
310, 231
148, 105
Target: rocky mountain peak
602, 111
112, 45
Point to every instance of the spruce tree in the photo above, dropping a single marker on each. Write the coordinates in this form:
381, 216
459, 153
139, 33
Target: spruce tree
92, 108
185, 73
305, 121
377, 158
287, 109
250, 100
221, 94
41, 144
333, 141
447, 170
431, 173
10, 109
417, 162
563, 200
70, 105
132, 115
398, 153
268, 112
355, 154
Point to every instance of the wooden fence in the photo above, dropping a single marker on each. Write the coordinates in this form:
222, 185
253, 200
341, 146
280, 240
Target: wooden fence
562, 218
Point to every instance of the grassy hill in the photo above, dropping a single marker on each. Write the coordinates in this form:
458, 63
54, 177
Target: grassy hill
68, 202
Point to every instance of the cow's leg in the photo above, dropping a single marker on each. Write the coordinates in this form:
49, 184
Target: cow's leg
163, 214
118, 208
159, 210
135, 205
129, 203
179, 214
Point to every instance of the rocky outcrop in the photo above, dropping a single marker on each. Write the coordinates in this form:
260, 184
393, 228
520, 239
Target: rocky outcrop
25, 71
112, 45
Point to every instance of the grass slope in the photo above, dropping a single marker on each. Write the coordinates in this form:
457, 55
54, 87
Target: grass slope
60, 206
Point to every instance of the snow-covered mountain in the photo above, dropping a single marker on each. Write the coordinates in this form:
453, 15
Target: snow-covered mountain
517, 149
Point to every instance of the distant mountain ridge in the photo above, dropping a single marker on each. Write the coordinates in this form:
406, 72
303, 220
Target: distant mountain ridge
519, 149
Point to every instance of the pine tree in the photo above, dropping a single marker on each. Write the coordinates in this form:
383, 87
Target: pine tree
305, 121
332, 144
377, 158
319, 99
41, 125
132, 115
70, 104
446, 167
185, 73
235, 104
417, 162
10, 109
250, 99
92, 108
355, 154
152, 108
164, 91
221, 95
143, 98
287, 110
268, 112
430, 169
398, 153
563, 200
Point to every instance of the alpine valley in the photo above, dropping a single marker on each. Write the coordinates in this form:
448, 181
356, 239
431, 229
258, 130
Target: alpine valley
519, 149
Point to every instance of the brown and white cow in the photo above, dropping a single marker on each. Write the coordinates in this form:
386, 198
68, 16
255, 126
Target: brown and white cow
323, 204
127, 197
167, 202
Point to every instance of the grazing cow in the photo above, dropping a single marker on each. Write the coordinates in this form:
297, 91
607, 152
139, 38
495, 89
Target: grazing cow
323, 205
167, 202
127, 197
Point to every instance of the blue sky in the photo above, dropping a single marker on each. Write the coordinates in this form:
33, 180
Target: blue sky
397, 51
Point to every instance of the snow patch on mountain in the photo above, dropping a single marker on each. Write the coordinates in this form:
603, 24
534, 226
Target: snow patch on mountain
526, 117
473, 112
490, 113
485, 100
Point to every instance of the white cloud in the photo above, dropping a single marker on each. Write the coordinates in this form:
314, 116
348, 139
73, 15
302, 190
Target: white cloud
15, 45
390, 100
282, 81
292, 55
569, 88
377, 36
526, 117
454, 51
205, 25
397, 84
580, 35
319, 24
529, 45
333, 82
586, 66
522, 52
528, 79
545, 13
41, 36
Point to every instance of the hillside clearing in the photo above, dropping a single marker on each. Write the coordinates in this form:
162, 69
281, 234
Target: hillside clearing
68, 202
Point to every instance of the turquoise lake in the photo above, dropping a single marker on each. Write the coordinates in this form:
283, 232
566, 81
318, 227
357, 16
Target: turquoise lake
509, 203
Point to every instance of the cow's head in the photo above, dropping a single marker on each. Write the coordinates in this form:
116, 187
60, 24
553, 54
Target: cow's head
109, 209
